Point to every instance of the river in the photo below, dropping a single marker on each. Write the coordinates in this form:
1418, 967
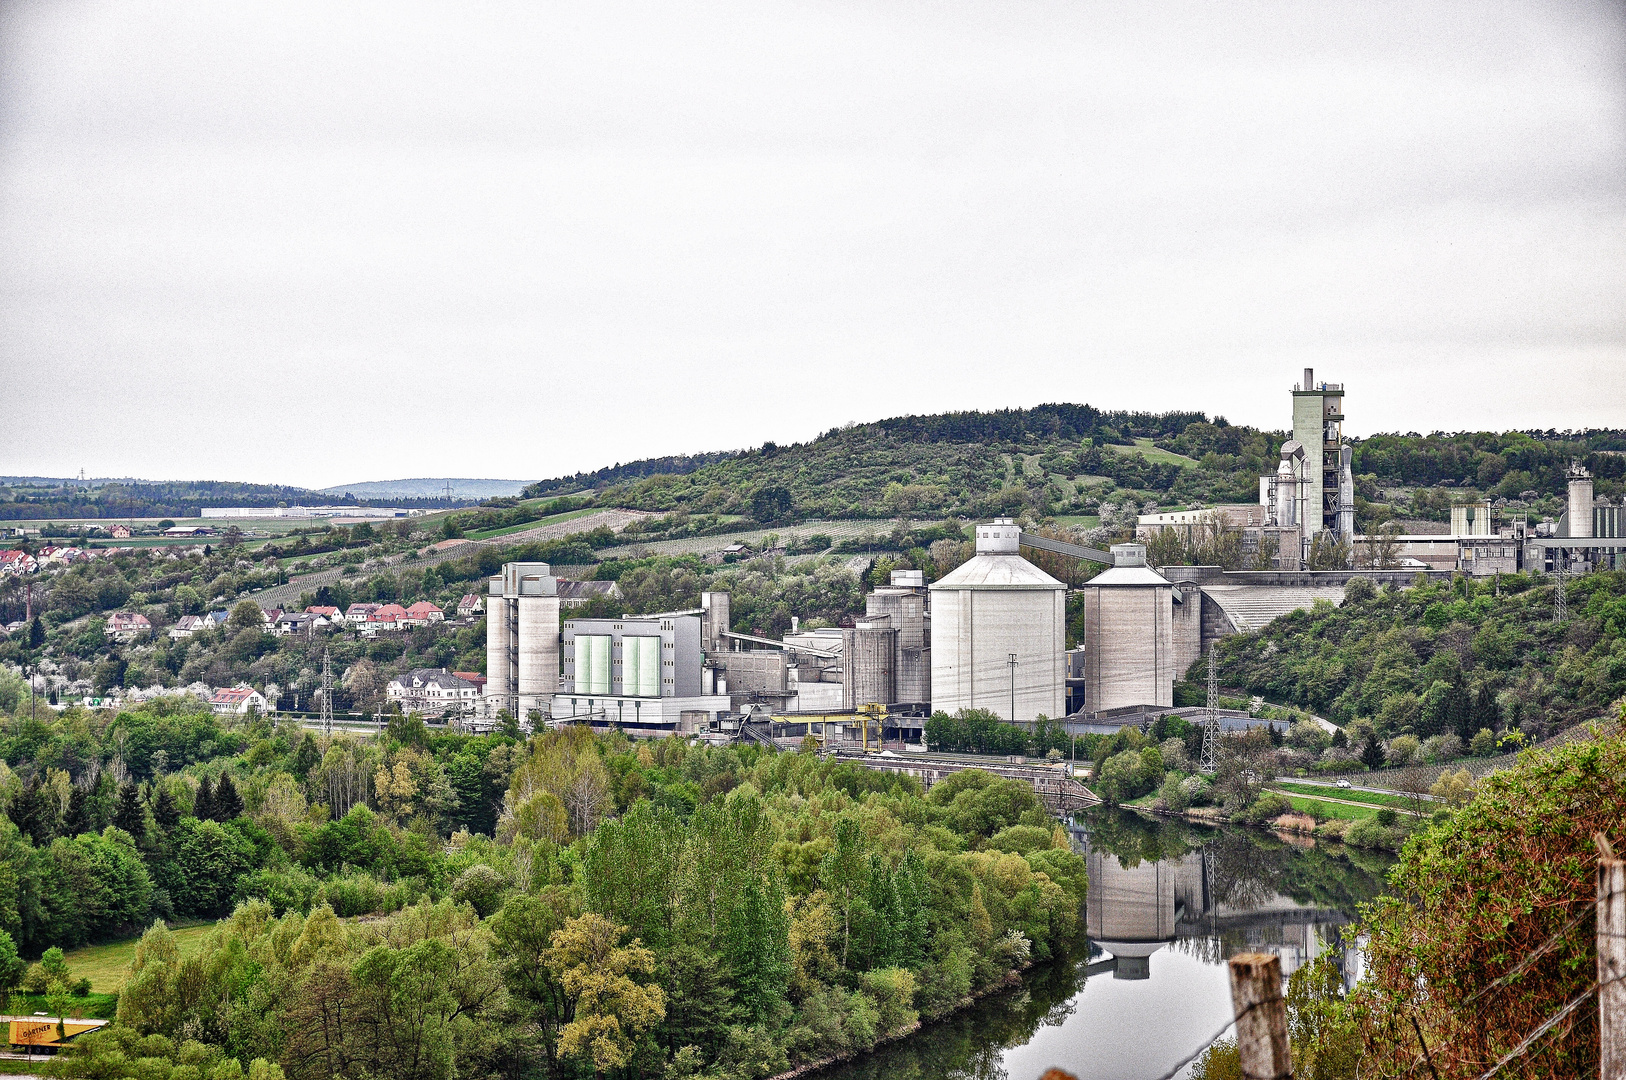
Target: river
1168, 902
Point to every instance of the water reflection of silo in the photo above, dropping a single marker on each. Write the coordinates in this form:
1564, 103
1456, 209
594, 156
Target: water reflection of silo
1130, 910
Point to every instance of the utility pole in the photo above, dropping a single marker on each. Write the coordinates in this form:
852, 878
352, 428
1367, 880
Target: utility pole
1010, 658
327, 699
1561, 573
1210, 760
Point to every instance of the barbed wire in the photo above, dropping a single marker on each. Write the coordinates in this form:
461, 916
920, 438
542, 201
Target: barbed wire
1212, 1039
1530, 958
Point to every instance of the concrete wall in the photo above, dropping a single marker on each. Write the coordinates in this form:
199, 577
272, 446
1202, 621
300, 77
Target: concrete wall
500, 668
1186, 628
757, 671
974, 630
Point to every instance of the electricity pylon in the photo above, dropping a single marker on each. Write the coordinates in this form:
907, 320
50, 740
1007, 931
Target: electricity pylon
1211, 718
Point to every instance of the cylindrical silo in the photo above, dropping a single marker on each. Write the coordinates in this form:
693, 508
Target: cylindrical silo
1129, 634
538, 648
868, 652
1580, 504
499, 667
999, 633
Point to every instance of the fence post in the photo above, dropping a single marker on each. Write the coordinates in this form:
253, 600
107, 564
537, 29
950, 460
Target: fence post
1261, 1016
1611, 963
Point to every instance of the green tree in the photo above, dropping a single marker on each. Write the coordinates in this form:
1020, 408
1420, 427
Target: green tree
36, 633
246, 615
228, 805
203, 801
210, 858
604, 981
131, 815
523, 932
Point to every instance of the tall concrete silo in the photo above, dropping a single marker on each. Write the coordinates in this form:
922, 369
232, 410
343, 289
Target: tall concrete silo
1578, 515
999, 632
522, 639
1129, 647
868, 653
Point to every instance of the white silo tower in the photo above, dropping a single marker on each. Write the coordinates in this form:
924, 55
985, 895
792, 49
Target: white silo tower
999, 632
522, 639
1129, 647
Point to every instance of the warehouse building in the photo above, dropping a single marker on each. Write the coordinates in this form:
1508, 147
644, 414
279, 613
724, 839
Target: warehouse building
639, 673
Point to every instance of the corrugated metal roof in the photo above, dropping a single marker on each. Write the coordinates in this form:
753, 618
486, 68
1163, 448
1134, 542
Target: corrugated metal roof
998, 572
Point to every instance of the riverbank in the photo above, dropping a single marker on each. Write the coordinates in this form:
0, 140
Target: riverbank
1011, 981
1365, 832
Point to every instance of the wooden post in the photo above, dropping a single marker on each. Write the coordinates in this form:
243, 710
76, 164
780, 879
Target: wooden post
1611, 963
1261, 1016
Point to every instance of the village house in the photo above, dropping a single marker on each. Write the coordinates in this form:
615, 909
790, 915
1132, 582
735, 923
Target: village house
17, 562
470, 606
331, 614
186, 626
297, 622
358, 614
385, 617
238, 701
422, 614
430, 691
127, 625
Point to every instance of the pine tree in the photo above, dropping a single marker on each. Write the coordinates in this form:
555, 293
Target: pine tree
203, 803
756, 947
78, 818
228, 804
164, 811
1372, 752
28, 812
131, 815
306, 757
36, 633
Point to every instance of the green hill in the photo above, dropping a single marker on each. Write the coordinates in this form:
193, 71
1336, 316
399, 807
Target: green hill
1064, 459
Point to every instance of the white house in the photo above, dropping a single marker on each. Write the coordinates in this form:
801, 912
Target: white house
430, 691
239, 700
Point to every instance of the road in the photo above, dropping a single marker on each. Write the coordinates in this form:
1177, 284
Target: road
1334, 784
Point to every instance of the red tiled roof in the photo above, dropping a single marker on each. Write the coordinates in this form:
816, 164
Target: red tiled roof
422, 607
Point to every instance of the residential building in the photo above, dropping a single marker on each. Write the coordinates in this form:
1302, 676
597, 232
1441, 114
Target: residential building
423, 613
17, 562
358, 614
127, 625
469, 606
331, 614
239, 700
297, 622
186, 626
474, 677
119, 532
430, 691
217, 618
385, 617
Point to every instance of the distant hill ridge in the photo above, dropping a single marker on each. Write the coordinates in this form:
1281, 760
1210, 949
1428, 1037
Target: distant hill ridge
426, 487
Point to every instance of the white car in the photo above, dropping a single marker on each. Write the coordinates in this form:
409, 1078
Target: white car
1345, 783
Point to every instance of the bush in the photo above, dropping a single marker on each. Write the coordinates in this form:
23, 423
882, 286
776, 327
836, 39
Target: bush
1174, 795
1197, 790
1386, 817
1368, 833
1266, 807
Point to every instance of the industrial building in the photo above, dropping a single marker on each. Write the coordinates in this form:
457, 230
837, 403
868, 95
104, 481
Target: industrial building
999, 632
641, 673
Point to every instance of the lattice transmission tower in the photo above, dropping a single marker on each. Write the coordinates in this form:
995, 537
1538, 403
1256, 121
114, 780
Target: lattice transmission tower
327, 697
1211, 719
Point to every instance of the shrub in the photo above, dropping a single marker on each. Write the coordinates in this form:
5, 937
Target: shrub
1476, 893
1368, 833
1174, 795
1402, 749
1385, 817
1266, 807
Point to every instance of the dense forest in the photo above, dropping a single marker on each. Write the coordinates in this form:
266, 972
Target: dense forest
423, 905
1445, 657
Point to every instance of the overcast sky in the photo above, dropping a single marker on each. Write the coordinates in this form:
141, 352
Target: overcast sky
321, 243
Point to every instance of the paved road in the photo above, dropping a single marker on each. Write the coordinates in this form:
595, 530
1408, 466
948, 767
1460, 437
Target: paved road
1334, 784
1347, 802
